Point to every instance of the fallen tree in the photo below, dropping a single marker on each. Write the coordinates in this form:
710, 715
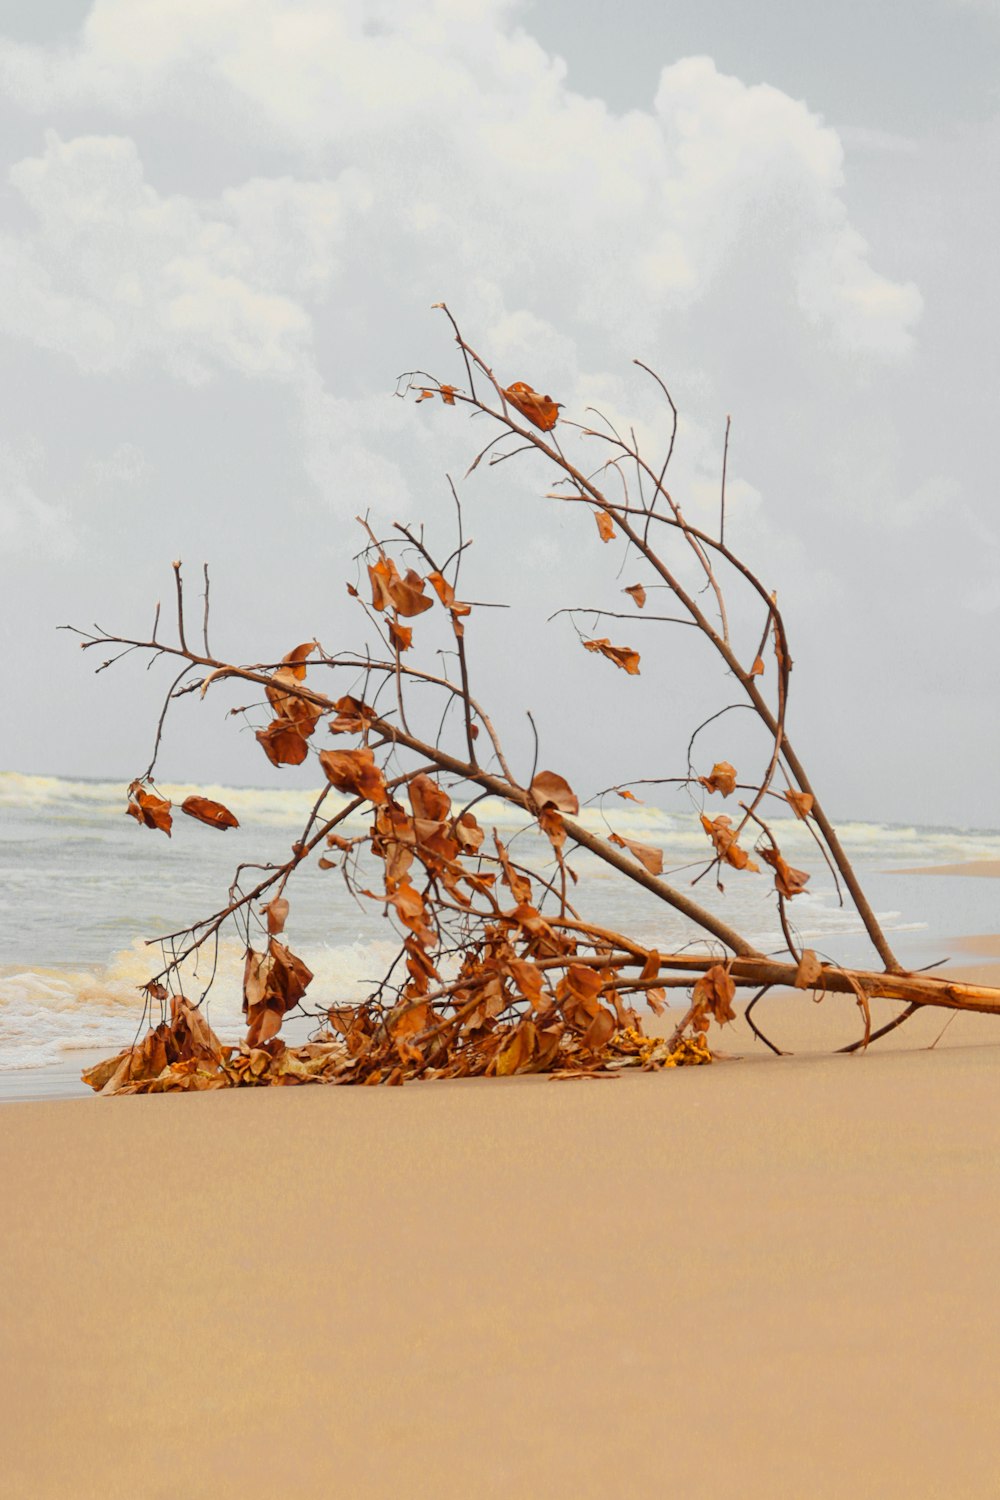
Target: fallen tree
497, 971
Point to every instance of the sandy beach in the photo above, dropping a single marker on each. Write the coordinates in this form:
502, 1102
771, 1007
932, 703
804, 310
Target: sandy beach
771, 1277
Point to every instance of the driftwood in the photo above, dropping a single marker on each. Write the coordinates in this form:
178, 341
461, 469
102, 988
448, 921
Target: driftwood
497, 971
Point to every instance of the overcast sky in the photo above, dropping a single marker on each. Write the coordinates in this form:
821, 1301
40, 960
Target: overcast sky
223, 223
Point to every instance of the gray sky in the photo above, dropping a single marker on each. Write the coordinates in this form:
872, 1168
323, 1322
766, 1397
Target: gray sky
223, 222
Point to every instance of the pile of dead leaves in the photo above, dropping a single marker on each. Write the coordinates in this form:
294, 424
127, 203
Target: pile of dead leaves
184, 1055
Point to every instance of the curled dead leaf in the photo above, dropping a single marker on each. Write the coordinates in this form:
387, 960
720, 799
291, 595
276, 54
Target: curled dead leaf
277, 915
148, 809
789, 881
622, 656
605, 525
721, 779
638, 593
801, 802
355, 771
541, 411
727, 848
651, 859
552, 790
207, 811
282, 743
713, 995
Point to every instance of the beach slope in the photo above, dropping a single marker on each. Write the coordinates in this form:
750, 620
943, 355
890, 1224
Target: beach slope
771, 1277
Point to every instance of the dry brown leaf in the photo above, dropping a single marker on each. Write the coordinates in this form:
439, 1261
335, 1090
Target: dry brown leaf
552, 790
468, 833
729, 851
657, 1001
273, 983
722, 778
282, 743
207, 811
389, 591
414, 1019
600, 1031
277, 915
401, 636
427, 799
442, 588
541, 411
519, 1051
757, 670
638, 593
651, 859
713, 994
790, 882
519, 885
355, 771
297, 656
148, 809
605, 525
528, 978
628, 796
353, 716
622, 656
801, 802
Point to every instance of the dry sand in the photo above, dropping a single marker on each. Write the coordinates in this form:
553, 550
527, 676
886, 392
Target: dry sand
768, 1278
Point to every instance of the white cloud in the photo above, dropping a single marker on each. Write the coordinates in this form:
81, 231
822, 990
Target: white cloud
480, 161
112, 270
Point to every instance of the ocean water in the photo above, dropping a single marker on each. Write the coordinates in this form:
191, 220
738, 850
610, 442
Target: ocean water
83, 888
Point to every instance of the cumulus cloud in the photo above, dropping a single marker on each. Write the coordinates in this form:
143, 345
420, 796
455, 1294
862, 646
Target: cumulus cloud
111, 269
475, 160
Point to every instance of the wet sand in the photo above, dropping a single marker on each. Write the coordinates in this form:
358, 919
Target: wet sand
771, 1277
982, 867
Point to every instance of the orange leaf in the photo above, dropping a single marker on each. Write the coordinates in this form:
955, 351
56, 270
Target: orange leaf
628, 796
638, 593
212, 813
448, 395
802, 802
600, 1031
427, 799
788, 881
401, 636
605, 525
713, 994
297, 656
528, 978
277, 914
390, 591
148, 809
355, 771
729, 851
550, 789
657, 1001
541, 411
442, 588
651, 859
722, 779
352, 716
282, 743
622, 656
757, 670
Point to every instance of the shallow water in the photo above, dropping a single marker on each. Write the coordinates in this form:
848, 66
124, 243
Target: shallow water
82, 887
